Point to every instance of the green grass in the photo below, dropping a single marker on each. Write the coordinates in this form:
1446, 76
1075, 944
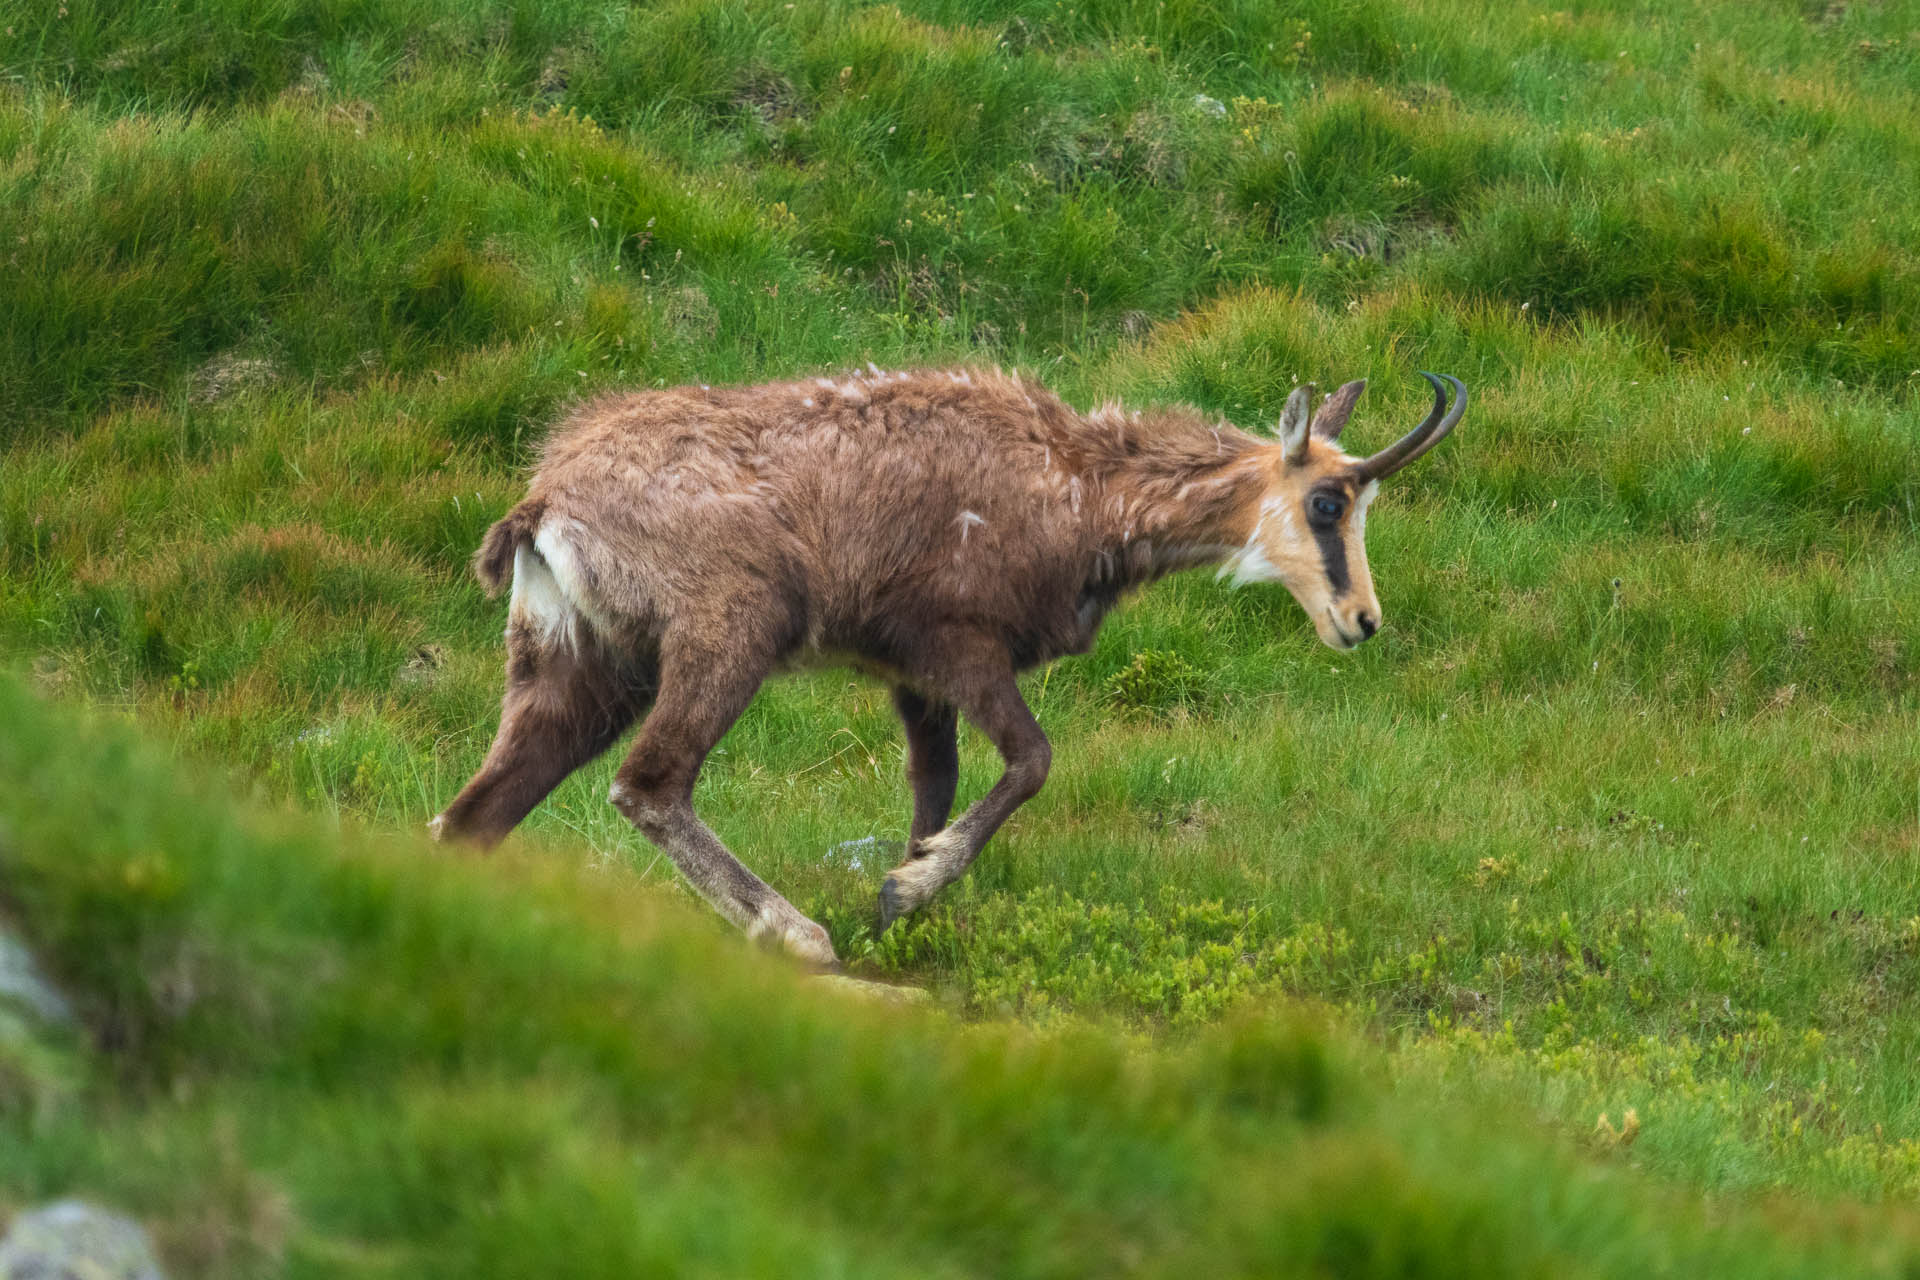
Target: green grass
316, 1055
1620, 809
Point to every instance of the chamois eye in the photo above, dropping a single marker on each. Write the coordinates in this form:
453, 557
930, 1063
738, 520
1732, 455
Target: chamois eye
1328, 508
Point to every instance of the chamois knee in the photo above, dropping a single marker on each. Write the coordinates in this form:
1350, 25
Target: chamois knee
1027, 773
649, 805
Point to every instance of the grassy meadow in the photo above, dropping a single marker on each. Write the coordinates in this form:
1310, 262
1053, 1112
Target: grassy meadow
1618, 816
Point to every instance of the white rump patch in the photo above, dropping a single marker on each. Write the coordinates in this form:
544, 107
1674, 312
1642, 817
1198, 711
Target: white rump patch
548, 593
1249, 563
538, 602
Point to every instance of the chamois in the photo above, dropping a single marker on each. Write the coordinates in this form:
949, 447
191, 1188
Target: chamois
943, 530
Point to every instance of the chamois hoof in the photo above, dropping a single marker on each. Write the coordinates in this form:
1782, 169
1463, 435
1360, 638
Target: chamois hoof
914, 883
903, 893
812, 948
895, 901
799, 937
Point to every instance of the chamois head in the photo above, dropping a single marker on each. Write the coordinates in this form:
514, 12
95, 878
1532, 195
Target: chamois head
1310, 533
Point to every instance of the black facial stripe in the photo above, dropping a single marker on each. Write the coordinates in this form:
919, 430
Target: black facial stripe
1333, 556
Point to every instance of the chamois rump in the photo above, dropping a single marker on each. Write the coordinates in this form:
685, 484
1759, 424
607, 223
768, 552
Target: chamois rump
943, 530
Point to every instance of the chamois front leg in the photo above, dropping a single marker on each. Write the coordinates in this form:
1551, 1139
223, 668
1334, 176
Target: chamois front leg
990, 698
933, 758
702, 692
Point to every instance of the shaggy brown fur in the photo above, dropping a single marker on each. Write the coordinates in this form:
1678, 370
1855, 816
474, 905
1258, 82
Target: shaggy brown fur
941, 529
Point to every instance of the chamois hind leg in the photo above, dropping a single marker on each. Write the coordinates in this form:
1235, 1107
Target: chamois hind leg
985, 690
564, 705
933, 758
702, 691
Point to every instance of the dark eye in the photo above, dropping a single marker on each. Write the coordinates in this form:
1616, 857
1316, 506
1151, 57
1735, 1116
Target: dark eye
1328, 508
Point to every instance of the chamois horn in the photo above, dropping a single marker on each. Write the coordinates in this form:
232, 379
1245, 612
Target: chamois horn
1422, 437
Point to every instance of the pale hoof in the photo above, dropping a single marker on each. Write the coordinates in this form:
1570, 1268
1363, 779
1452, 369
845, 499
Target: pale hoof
798, 936
894, 902
909, 887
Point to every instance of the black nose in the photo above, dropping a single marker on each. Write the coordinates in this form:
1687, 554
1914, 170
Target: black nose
1368, 623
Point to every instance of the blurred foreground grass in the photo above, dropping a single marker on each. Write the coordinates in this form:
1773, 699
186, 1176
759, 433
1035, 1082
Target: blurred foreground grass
1621, 810
344, 1054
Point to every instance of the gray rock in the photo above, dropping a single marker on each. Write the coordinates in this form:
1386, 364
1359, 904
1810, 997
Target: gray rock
22, 985
228, 373
884, 992
72, 1240
867, 851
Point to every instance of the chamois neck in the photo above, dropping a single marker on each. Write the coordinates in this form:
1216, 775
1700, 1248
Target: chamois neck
1175, 490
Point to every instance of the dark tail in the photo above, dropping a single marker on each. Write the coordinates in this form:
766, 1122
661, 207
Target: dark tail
493, 563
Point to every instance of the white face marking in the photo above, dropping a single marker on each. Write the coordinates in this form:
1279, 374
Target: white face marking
1288, 529
1250, 563
1360, 504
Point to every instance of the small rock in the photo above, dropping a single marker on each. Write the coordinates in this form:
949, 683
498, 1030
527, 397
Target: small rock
423, 665
692, 315
227, 373
857, 855
881, 991
22, 984
72, 1240
553, 77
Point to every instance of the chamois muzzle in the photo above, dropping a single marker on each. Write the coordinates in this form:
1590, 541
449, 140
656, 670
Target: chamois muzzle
1423, 437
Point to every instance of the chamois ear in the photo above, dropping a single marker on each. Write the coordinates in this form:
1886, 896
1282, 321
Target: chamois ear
1337, 409
1294, 418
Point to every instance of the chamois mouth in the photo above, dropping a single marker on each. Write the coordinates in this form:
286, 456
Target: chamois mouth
1346, 642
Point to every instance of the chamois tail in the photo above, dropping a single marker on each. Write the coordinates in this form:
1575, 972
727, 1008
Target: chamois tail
494, 561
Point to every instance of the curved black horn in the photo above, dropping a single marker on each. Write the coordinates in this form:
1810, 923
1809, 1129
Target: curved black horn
1423, 437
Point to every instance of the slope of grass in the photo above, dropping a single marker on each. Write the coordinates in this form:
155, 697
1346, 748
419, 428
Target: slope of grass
1620, 809
318, 1055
